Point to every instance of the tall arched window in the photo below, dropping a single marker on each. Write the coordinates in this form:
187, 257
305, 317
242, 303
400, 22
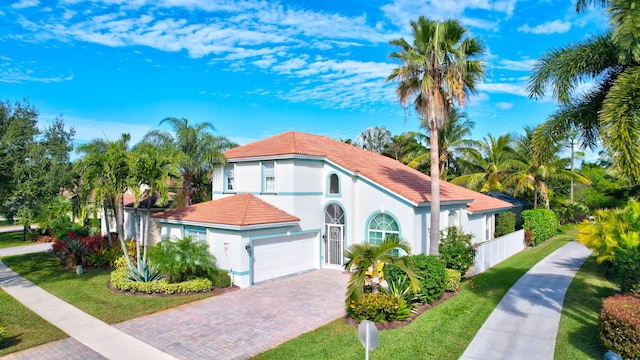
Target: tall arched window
381, 226
334, 184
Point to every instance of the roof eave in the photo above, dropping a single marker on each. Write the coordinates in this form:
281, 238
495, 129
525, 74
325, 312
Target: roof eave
493, 210
275, 157
226, 226
446, 203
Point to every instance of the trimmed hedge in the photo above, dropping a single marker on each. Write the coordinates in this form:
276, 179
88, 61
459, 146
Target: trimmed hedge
379, 307
220, 279
451, 280
505, 223
432, 270
3, 332
541, 223
120, 280
620, 325
626, 266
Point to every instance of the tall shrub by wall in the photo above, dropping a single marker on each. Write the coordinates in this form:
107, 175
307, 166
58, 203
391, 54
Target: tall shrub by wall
541, 223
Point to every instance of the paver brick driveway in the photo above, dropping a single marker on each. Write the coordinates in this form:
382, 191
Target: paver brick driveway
244, 323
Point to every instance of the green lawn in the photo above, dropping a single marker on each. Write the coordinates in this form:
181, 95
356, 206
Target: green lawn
25, 329
11, 239
443, 332
578, 336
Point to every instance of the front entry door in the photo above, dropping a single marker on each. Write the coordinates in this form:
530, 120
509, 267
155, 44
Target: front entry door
333, 248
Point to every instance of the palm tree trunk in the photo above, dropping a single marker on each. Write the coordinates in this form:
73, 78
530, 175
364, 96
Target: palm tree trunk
434, 232
572, 169
107, 223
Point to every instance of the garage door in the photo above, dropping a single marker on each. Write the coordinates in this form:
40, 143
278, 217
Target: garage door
281, 256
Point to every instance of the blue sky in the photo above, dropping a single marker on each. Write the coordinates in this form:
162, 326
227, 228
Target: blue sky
257, 68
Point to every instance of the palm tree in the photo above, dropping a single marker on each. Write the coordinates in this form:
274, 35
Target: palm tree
487, 164
367, 262
105, 168
608, 110
452, 140
438, 70
194, 149
532, 171
374, 139
151, 170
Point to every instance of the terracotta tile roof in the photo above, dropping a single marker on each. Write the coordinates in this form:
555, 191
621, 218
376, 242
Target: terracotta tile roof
386, 172
236, 210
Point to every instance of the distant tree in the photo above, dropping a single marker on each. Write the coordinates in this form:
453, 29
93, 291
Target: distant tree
604, 191
440, 69
194, 148
374, 139
487, 164
402, 145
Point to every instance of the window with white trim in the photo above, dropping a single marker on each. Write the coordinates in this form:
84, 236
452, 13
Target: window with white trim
380, 227
196, 234
488, 232
231, 177
269, 169
454, 218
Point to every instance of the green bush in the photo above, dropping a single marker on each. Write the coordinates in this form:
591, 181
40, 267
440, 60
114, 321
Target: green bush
626, 266
105, 257
542, 223
451, 280
572, 213
120, 280
432, 271
3, 332
619, 325
183, 259
505, 223
378, 307
456, 250
220, 279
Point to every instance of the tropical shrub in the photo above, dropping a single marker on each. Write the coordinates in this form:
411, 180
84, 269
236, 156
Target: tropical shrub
432, 271
220, 279
456, 250
626, 267
3, 332
451, 280
542, 223
183, 259
611, 231
619, 325
120, 279
105, 257
572, 213
378, 307
505, 223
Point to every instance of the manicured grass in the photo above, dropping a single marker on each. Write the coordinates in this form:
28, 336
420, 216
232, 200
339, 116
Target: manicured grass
89, 292
443, 332
578, 336
11, 239
24, 328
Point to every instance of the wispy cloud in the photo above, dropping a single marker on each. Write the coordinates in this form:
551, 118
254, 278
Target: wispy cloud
515, 65
25, 4
504, 88
550, 27
504, 105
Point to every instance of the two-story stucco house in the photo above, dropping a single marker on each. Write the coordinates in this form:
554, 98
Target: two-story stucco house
295, 201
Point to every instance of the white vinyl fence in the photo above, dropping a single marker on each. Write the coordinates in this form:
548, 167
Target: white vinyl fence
497, 250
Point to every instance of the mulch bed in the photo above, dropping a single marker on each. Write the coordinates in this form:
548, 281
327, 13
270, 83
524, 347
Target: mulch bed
417, 311
215, 291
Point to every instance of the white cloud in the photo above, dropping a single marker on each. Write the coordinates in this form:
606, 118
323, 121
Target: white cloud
25, 4
515, 65
504, 105
550, 27
288, 66
504, 88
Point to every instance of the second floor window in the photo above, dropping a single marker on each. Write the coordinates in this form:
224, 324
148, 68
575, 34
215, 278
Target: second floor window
334, 184
269, 176
231, 177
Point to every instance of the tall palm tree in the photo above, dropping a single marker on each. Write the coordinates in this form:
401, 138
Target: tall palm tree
367, 262
439, 69
608, 111
487, 165
452, 140
195, 150
532, 171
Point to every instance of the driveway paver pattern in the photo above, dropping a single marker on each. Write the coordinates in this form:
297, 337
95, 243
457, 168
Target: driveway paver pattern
244, 323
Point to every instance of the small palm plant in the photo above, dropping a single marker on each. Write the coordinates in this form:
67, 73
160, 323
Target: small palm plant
367, 262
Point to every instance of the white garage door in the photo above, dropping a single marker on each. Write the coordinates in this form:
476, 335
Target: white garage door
283, 256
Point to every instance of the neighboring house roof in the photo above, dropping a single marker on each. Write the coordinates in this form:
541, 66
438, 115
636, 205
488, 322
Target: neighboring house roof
508, 198
236, 210
143, 203
386, 172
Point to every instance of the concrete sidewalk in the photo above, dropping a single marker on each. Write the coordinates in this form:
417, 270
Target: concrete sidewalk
26, 249
525, 323
93, 333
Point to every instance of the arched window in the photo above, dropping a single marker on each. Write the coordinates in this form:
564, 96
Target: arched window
381, 226
454, 218
334, 184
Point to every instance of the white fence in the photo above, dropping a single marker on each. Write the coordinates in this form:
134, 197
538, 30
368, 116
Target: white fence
497, 250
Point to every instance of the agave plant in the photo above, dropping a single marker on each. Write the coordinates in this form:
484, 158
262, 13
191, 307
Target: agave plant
144, 272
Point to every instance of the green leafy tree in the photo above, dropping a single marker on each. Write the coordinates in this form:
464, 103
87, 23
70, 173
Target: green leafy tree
367, 262
439, 69
487, 164
608, 111
195, 150
604, 190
